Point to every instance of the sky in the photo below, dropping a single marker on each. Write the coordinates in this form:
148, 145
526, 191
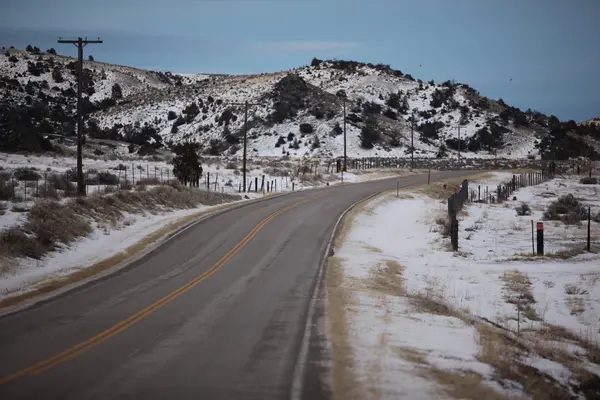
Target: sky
549, 48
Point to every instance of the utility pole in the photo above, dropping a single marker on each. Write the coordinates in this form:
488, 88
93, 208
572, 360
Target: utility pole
412, 144
344, 169
246, 105
459, 146
80, 44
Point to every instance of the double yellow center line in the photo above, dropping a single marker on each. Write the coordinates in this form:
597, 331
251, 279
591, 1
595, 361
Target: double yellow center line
123, 325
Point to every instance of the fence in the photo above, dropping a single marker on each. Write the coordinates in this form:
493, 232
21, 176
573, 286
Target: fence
455, 204
501, 193
560, 167
27, 184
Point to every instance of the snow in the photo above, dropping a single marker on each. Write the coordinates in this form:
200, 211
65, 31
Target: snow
147, 100
493, 242
103, 243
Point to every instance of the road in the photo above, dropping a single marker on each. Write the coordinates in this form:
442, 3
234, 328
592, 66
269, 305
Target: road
218, 312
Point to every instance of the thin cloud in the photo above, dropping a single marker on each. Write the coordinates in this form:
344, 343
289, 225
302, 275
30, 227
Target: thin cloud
306, 46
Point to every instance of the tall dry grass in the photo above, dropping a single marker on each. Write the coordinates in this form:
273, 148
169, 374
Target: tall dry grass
52, 224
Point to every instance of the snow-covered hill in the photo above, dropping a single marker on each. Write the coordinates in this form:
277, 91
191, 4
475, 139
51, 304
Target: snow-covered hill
296, 113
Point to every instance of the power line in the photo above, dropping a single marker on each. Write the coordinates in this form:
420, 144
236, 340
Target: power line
246, 104
80, 44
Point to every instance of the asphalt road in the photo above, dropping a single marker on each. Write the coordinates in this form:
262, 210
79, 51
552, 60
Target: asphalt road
219, 312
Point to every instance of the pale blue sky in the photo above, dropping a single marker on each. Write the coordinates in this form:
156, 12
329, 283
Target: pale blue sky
550, 48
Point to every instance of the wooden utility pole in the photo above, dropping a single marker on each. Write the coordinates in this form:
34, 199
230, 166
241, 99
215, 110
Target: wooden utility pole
80, 44
459, 146
246, 105
412, 143
344, 168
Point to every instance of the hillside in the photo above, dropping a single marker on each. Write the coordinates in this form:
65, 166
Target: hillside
300, 112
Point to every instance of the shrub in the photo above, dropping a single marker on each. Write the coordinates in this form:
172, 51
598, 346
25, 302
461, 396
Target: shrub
214, 148
369, 134
61, 182
390, 114
429, 130
393, 100
280, 141
51, 51
106, 178
306, 128
523, 210
316, 143
588, 180
566, 209
571, 288
6, 190
337, 129
26, 174
117, 92
90, 58
371, 108
442, 152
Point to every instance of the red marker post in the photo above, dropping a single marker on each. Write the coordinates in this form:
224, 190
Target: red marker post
540, 238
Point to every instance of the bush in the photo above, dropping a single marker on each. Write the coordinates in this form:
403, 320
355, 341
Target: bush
390, 114
106, 178
26, 174
306, 128
117, 92
588, 180
393, 100
6, 190
61, 182
566, 209
442, 152
429, 130
337, 129
523, 210
316, 143
369, 134
51, 51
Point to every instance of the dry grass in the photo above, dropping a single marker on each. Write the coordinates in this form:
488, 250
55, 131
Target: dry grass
503, 353
517, 288
387, 278
346, 384
372, 249
464, 385
85, 273
51, 225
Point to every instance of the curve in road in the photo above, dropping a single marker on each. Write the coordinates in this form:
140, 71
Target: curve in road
168, 331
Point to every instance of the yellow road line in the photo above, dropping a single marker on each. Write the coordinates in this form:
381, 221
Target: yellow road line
128, 322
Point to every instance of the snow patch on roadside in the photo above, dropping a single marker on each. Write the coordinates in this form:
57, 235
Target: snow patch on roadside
104, 242
389, 331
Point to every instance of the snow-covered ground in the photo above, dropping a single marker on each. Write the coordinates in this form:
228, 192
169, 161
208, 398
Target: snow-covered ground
106, 240
149, 97
398, 276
